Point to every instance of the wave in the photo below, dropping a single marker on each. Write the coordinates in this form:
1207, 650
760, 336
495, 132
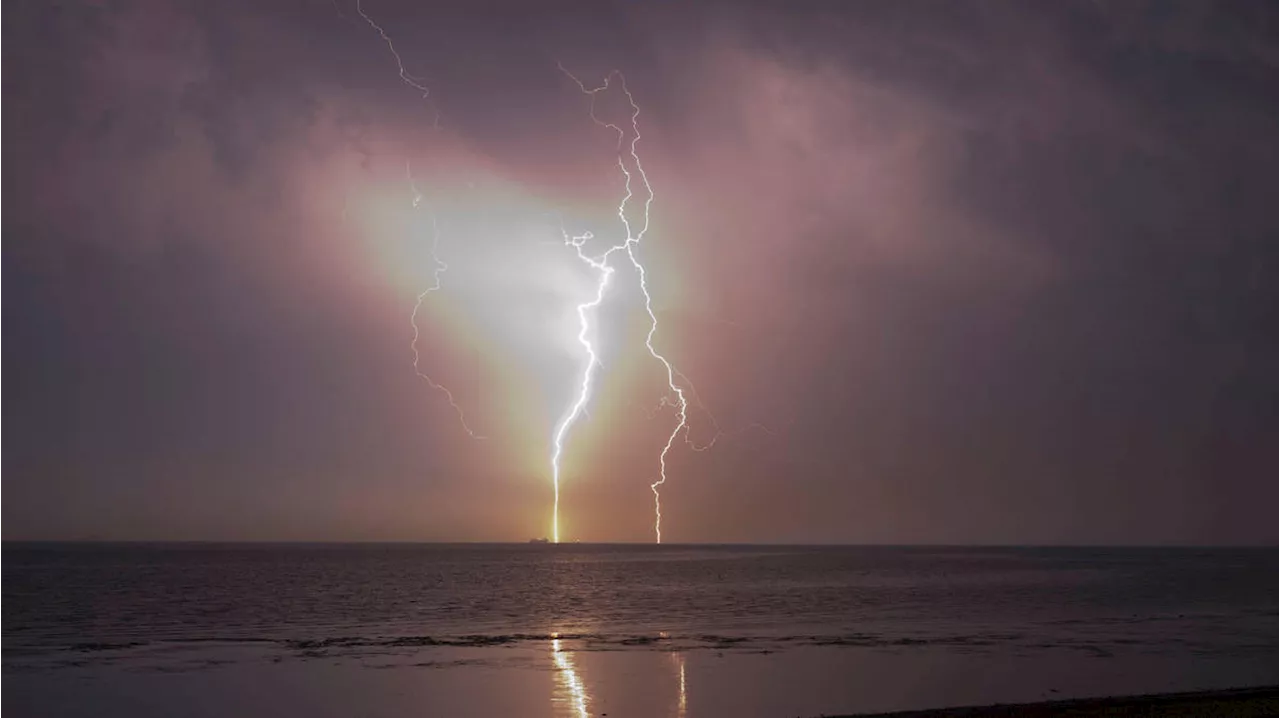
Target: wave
336, 645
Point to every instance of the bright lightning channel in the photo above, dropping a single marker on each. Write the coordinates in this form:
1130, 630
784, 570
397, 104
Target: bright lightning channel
633, 239
601, 266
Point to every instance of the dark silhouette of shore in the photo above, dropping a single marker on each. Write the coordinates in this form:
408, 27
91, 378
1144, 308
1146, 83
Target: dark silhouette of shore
1232, 703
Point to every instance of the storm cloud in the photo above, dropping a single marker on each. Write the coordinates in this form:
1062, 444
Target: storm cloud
986, 271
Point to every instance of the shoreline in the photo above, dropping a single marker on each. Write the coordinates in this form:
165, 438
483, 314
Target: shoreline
1237, 702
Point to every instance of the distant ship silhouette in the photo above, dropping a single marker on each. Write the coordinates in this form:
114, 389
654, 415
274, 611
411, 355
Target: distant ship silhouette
539, 540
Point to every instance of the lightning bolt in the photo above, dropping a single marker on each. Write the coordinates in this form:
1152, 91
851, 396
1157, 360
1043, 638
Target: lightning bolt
405, 77
718, 432
629, 246
408, 79
605, 272
681, 389
440, 266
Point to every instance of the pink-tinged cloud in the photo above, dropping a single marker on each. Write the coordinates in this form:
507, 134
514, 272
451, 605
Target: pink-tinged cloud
987, 274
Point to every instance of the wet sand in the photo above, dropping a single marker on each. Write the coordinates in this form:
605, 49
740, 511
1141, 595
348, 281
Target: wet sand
1235, 703
565, 679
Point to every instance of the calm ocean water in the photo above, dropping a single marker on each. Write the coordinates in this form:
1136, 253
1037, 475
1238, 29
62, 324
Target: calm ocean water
184, 608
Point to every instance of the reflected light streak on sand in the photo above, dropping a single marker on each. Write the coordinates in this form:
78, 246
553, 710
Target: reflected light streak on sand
571, 683
682, 702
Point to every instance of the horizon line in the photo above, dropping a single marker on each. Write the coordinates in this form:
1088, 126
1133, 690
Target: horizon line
551, 546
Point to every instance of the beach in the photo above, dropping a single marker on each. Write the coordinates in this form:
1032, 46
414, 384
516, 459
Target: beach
1231, 703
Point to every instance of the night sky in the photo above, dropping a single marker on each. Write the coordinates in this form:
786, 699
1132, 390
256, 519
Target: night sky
987, 272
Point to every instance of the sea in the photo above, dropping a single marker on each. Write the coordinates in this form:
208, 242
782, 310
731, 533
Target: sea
577, 630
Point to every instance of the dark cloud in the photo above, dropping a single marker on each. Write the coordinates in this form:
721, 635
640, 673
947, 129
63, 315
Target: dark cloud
991, 271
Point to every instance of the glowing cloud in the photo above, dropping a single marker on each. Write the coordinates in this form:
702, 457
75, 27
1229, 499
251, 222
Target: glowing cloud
680, 390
